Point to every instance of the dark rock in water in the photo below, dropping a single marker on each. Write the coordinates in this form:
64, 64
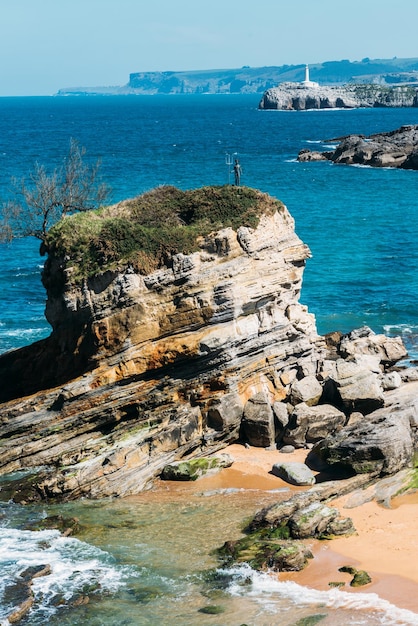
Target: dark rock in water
66, 525
397, 148
311, 620
266, 553
35, 571
212, 609
20, 593
360, 577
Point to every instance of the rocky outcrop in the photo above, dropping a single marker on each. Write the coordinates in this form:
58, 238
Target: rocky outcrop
397, 148
210, 348
168, 362
298, 97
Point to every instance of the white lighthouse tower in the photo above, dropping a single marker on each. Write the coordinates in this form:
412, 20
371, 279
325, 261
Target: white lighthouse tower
307, 82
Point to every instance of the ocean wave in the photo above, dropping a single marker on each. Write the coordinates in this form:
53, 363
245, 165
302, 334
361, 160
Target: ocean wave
76, 568
266, 589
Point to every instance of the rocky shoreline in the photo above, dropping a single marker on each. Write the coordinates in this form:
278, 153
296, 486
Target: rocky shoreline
397, 148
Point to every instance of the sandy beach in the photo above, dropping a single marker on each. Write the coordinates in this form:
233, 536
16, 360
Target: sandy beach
385, 545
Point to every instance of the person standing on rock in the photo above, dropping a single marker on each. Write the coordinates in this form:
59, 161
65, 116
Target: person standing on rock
237, 173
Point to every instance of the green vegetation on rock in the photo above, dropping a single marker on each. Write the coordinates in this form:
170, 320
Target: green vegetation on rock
360, 577
146, 231
310, 620
266, 549
212, 609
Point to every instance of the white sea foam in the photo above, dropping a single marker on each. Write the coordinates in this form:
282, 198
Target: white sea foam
267, 589
75, 567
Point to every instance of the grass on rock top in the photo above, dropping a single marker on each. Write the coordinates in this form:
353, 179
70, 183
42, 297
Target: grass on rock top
148, 230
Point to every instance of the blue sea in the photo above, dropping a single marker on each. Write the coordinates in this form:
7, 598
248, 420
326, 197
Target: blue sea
361, 225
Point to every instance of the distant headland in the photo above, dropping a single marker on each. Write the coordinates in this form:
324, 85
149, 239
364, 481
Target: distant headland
383, 73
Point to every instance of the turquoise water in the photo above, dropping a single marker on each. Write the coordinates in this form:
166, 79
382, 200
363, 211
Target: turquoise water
145, 561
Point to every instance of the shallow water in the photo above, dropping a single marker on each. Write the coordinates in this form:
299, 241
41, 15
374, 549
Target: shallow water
149, 560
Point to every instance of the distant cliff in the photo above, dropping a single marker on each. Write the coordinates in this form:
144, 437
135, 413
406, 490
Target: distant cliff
259, 79
297, 96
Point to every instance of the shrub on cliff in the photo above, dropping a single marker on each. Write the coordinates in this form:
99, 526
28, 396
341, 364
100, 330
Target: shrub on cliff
44, 198
148, 230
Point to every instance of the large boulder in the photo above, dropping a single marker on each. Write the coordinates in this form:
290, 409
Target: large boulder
317, 520
258, 421
308, 390
382, 444
309, 424
225, 413
294, 473
355, 384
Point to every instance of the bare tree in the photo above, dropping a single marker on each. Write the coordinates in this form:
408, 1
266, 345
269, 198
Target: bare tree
43, 199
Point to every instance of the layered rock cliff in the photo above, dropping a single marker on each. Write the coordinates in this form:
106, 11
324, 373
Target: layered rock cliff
151, 367
297, 96
164, 350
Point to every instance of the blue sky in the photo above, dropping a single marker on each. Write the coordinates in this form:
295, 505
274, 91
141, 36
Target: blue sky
49, 44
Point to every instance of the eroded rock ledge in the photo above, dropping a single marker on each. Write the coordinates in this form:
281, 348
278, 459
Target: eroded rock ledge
210, 349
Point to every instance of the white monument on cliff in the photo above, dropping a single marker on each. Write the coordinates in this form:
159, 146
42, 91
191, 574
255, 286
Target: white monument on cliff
307, 82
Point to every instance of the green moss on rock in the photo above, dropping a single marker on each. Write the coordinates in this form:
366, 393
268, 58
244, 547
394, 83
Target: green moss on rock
148, 230
212, 609
266, 553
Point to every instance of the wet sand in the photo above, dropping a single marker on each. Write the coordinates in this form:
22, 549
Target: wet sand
385, 545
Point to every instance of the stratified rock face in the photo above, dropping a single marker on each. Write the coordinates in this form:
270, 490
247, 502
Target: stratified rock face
170, 360
296, 96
